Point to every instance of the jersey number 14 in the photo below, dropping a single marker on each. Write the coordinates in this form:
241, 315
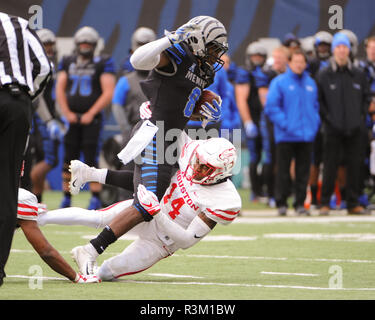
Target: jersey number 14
176, 204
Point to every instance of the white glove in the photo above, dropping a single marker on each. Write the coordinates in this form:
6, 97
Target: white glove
148, 200
90, 278
183, 33
145, 111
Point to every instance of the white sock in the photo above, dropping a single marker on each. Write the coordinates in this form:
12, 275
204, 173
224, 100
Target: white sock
91, 250
95, 175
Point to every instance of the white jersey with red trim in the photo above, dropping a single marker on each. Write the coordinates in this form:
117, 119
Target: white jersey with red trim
184, 200
27, 205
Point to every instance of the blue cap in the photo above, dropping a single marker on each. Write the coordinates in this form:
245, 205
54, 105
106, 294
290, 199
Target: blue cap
340, 38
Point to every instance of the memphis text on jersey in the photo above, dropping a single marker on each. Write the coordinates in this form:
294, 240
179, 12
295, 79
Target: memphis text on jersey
190, 75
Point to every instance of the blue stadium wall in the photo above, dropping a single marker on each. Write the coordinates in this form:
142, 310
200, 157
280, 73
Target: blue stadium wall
245, 20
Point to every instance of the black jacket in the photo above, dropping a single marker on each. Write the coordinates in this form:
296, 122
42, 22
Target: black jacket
343, 97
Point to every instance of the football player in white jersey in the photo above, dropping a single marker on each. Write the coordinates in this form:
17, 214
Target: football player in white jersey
199, 196
27, 215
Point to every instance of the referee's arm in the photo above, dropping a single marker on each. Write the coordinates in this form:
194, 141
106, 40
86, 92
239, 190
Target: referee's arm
41, 66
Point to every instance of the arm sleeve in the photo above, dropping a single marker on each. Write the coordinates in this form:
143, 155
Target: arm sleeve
222, 216
147, 56
185, 238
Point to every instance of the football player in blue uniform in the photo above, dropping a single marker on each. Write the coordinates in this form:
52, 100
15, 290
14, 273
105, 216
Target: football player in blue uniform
85, 85
182, 64
48, 128
250, 108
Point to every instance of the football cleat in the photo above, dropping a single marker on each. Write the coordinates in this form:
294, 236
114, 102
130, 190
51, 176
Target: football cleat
77, 179
85, 262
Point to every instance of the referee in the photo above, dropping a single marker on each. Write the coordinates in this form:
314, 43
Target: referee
24, 72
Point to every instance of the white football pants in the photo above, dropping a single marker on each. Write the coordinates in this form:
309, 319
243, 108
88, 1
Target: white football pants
140, 255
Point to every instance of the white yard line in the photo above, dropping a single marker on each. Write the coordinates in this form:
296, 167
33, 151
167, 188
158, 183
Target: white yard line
171, 275
246, 285
313, 219
355, 237
290, 274
208, 256
35, 277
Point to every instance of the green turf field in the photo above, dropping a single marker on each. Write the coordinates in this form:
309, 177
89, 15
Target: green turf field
260, 256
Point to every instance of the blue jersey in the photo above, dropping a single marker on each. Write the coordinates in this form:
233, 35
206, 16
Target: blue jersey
174, 89
256, 78
83, 87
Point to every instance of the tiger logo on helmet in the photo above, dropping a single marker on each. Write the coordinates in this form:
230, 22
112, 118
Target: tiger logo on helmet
210, 40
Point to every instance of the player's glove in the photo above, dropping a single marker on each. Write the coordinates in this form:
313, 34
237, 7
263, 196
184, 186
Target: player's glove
90, 278
183, 33
145, 111
211, 112
148, 200
251, 130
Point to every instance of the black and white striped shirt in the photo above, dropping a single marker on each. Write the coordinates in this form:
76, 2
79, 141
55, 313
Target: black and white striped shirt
23, 60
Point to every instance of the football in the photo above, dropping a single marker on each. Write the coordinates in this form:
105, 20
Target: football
206, 96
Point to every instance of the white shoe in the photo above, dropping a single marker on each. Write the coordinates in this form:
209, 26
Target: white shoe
85, 262
77, 179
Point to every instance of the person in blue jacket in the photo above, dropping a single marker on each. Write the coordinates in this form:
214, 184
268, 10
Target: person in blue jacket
292, 105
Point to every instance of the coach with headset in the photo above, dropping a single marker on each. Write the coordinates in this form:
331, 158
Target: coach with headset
24, 72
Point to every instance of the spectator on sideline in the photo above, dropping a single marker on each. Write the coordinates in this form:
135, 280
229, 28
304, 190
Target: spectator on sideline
292, 105
343, 97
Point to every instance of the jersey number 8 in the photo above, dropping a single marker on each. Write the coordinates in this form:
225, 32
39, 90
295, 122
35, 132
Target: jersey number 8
192, 99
